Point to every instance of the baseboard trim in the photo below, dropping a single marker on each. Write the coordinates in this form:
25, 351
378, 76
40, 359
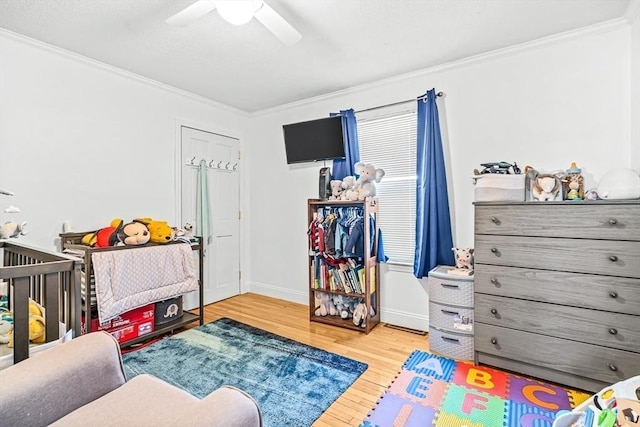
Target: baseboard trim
405, 319
278, 292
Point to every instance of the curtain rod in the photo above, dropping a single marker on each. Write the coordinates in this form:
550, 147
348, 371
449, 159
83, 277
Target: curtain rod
439, 94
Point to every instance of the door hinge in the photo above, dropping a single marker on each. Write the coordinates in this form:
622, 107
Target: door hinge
239, 154
239, 275
239, 214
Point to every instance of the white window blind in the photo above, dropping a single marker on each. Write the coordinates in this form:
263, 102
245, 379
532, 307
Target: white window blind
387, 139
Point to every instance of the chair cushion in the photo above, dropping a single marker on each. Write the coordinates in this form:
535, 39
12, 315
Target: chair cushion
143, 401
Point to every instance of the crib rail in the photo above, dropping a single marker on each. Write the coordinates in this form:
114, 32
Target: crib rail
49, 278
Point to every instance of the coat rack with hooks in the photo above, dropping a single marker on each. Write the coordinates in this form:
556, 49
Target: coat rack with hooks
212, 164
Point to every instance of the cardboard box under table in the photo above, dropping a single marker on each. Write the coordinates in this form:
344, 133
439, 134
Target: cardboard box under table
127, 326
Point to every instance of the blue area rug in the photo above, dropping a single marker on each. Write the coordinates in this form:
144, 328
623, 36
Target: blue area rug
293, 383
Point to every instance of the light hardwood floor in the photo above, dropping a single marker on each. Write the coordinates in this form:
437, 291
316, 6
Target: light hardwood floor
384, 349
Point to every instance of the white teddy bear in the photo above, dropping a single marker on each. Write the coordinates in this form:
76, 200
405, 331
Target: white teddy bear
336, 189
366, 183
349, 187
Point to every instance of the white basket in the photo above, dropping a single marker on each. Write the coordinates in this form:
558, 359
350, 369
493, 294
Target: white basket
451, 344
496, 187
449, 289
452, 318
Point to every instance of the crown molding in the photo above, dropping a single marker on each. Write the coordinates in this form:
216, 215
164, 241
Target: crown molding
600, 28
633, 11
117, 71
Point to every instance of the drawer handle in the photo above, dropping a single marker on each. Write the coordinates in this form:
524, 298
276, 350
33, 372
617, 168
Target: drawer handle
446, 285
494, 250
613, 367
613, 221
494, 341
613, 331
613, 294
450, 339
613, 258
494, 281
455, 313
494, 311
494, 220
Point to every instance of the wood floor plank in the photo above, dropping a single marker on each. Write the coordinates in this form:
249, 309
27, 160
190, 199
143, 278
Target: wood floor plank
384, 349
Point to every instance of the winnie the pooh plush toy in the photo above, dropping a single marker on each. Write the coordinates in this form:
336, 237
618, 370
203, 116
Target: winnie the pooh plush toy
36, 325
159, 231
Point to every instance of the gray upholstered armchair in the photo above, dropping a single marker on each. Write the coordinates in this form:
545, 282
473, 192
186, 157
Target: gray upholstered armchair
82, 382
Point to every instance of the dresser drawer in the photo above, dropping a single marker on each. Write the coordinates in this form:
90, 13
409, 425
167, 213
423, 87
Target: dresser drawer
451, 344
451, 291
577, 255
574, 220
452, 318
621, 331
616, 294
585, 360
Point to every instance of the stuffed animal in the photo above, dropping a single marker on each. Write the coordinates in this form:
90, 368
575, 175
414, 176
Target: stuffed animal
36, 325
159, 231
105, 237
349, 187
133, 233
544, 187
188, 230
6, 326
336, 189
360, 315
323, 305
12, 229
464, 258
369, 175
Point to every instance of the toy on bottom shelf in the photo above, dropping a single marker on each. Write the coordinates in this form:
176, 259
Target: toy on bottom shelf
6, 326
615, 406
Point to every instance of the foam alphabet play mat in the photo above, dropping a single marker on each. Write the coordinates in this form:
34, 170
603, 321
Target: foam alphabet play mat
436, 391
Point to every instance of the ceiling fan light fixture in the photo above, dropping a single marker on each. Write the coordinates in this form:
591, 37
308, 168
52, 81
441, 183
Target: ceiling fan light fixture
238, 12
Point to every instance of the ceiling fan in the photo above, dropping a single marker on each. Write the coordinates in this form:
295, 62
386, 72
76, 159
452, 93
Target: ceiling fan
239, 12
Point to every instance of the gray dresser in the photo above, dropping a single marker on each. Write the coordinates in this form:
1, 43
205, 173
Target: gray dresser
557, 290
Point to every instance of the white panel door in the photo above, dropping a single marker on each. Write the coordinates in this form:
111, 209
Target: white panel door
222, 251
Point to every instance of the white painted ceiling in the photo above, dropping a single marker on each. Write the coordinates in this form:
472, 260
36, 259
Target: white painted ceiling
345, 43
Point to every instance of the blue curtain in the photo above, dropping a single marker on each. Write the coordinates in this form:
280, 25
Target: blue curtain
344, 167
433, 223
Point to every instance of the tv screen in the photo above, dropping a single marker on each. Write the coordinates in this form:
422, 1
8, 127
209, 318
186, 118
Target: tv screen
313, 140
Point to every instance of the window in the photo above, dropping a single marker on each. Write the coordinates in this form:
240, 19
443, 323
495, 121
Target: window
387, 139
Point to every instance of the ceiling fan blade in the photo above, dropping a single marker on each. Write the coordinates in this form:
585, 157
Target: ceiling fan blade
192, 13
277, 25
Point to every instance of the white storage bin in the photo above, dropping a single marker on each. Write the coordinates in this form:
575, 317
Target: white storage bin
447, 288
451, 344
492, 187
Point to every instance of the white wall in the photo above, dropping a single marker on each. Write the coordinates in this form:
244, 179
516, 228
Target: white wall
546, 104
83, 142
634, 16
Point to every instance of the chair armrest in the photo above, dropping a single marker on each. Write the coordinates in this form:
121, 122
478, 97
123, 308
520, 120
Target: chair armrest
50, 384
225, 407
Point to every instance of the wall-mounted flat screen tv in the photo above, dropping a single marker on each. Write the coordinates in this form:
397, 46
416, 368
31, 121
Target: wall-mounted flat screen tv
314, 140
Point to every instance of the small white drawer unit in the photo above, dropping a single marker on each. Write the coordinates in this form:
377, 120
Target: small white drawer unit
450, 313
